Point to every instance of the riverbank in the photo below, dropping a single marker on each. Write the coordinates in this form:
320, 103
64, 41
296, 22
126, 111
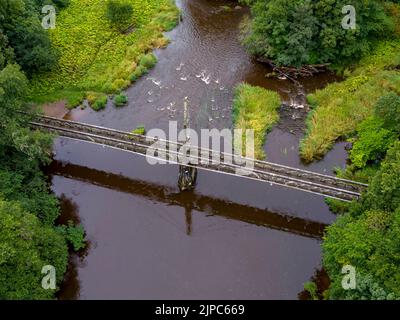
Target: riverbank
362, 109
95, 57
340, 107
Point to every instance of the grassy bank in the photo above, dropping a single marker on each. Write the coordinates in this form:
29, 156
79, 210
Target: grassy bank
340, 107
95, 56
255, 108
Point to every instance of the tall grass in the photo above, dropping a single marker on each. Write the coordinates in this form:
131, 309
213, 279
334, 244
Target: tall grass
94, 56
340, 107
255, 108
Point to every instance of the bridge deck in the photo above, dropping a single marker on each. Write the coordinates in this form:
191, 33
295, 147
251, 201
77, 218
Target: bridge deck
211, 160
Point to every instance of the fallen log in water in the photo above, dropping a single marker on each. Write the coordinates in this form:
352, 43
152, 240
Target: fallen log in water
292, 72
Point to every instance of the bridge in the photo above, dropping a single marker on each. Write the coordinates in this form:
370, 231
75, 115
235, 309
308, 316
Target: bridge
275, 174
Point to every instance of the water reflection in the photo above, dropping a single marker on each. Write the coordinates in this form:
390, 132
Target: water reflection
189, 200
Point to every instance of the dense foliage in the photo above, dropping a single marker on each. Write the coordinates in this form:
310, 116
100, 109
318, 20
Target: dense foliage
28, 238
339, 108
310, 31
26, 246
367, 237
20, 23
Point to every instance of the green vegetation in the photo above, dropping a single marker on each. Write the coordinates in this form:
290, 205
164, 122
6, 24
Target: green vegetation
303, 32
255, 108
119, 13
21, 30
311, 288
96, 100
26, 246
29, 239
367, 237
367, 233
94, 56
140, 130
120, 100
146, 62
75, 235
372, 142
340, 107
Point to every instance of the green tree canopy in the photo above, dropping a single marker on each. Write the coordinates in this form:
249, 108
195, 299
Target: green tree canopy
298, 32
26, 246
367, 238
20, 22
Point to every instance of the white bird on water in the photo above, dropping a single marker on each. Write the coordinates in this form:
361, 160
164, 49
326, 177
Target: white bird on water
180, 67
207, 79
201, 74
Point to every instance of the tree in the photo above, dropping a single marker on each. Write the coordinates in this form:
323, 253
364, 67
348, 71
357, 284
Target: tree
14, 133
384, 190
21, 23
388, 109
307, 32
369, 243
367, 237
372, 142
119, 13
6, 52
26, 246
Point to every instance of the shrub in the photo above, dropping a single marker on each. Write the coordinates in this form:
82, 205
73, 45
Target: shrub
74, 98
120, 100
140, 130
384, 190
119, 13
75, 235
388, 108
96, 100
100, 103
311, 288
139, 71
148, 61
372, 143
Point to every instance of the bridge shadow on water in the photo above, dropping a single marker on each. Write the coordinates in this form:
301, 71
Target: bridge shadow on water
188, 200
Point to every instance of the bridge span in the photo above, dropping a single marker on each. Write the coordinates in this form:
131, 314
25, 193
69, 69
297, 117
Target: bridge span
273, 173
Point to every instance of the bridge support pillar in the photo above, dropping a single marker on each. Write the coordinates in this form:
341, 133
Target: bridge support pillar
187, 174
187, 178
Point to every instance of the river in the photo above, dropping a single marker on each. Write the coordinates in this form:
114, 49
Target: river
228, 239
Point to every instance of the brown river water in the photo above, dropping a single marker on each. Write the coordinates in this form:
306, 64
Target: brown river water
230, 238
